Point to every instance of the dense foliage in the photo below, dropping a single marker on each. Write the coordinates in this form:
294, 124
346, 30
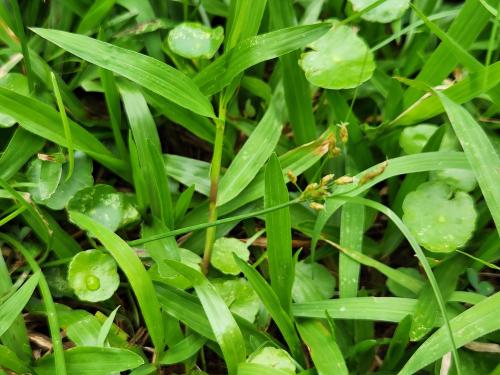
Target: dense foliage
249, 187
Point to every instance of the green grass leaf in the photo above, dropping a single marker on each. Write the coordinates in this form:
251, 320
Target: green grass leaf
141, 69
225, 329
484, 160
134, 270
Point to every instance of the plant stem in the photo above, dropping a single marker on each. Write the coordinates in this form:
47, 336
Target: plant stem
201, 226
214, 184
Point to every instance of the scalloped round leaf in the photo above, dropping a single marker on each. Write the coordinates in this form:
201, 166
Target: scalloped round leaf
413, 138
441, 220
275, 358
388, 11
399, 290
239, 297
131, 214
193, 40
100, 202
222, 255
340, 59
45, 176
459, 179
80, 179
93, 275
313, 282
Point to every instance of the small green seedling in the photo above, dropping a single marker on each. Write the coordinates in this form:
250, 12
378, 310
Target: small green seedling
93, 275
193, 40
339, 60
441, 220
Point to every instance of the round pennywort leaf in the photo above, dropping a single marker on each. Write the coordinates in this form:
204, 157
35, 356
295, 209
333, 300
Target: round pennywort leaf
93, 276
339, 60
239, 297
274, 358
222, 255
312, 282
388, 11
413, 138
441, 220
193, 40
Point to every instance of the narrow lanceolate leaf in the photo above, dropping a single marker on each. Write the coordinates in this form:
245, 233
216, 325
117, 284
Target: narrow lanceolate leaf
254, 50
273, 306
88, 360
254, 153
279, 236
132, 267
10, 309
323, 347
483, 159
40, 119
141, 69
251, 12
225, 329
475, 322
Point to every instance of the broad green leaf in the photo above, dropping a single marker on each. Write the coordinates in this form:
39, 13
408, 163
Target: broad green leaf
102, 203
386, 12
225, 329
40, 119
254, 153
93, 276
10, 361
273, 306
12, 307
339, 59
222, 255
413, 139
441, 220
85, 331
323, 347
81, 178
183, 350
477, 321
45, 176
15, 82
483, 159
239, 297
255, 50
141, 69
251, 12
255, 368
274, 358
458, 179
279, 238
92, 361
313, 282
193, 40
400, 289
133, 269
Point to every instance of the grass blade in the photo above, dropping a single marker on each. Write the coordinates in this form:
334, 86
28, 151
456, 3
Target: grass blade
134, 270
273, 306
483, 159
279, 238
141, 69
323, 347
225, 329
475, 322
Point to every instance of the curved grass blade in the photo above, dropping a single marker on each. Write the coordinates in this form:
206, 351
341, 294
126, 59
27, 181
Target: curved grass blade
483, 159
141, 69
251, 12
88, 360
273, 306
225, 329
183, 350
10, 309
473, 323
255, 50
279, 236
137, 276
323, 347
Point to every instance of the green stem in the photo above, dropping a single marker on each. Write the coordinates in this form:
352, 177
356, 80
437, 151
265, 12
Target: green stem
12, 215
50, 307
214, 184
18, 22
196, 227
